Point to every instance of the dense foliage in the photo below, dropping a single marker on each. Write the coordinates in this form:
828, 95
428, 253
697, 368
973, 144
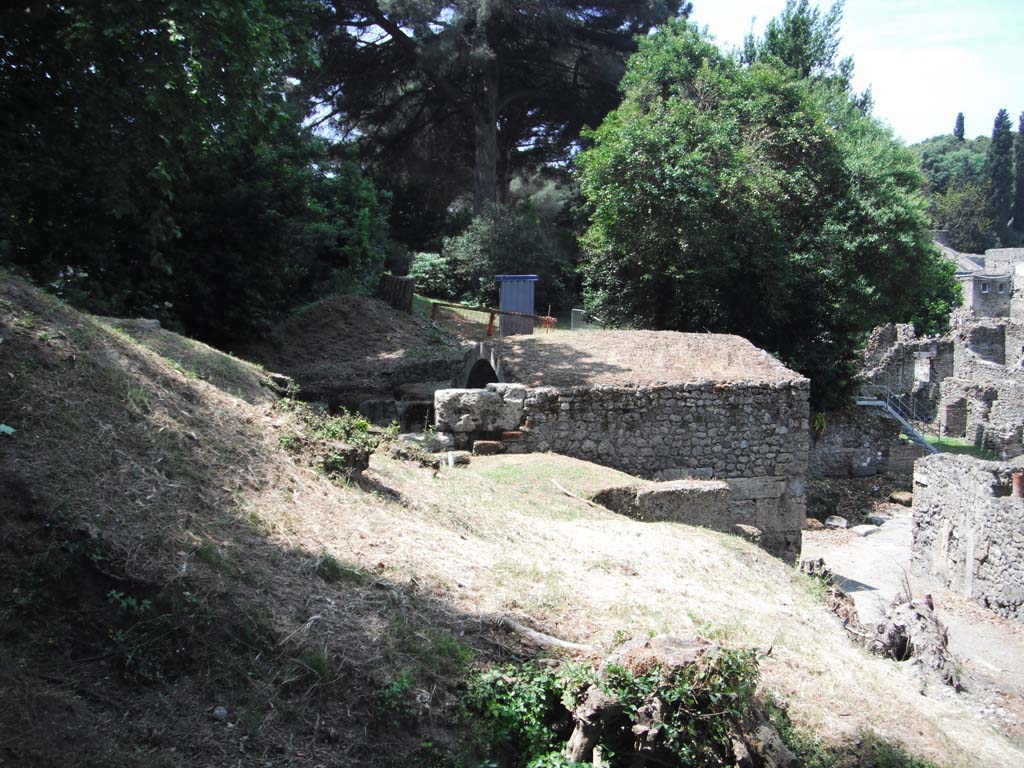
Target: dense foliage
150, 164
975, 187
469, 93
999, 173
508, 241
744, 197
521, 712
1018, 176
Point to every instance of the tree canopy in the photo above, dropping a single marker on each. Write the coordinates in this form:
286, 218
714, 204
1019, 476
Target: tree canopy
150, 162
999, 173
467, 93
748, 197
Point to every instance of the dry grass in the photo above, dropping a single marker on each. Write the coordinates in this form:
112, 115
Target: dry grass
185, 487
193, 358
638, 357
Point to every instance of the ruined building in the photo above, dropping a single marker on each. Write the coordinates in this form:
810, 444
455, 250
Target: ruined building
659, 405
970, 382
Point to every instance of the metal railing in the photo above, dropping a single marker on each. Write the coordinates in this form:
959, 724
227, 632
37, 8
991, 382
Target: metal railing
902, 407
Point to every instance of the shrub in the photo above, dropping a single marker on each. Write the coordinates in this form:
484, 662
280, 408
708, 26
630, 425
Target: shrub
433, 275
508, 240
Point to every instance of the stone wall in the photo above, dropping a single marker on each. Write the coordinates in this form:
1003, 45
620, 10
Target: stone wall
907, 365
988, 295
858, 442
990, 415
968, 531
753, 435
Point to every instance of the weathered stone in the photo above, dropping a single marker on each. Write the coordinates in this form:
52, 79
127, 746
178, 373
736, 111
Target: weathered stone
694, 502
751, 433
487, 447
864, 530
967, 529
428, 441
380, 412
835, 521
878, 518
904, 498
420, 390
757, 488
457, 458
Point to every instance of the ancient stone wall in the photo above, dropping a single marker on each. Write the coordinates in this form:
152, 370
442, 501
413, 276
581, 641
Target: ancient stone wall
858, 442
908, 365
969, 531
988, 295
753, 435
1003, 260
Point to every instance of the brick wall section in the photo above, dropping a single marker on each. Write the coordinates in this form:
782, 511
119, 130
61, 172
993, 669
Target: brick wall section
968, 531
754, 435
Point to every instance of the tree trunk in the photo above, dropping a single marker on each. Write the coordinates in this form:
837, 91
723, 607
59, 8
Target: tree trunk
486, 172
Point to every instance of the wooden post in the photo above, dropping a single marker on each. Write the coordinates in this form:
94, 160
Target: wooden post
490, 325
433, 311
397, 291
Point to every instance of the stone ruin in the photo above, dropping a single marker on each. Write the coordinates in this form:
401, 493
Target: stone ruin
969, 529
662, 406
969, 382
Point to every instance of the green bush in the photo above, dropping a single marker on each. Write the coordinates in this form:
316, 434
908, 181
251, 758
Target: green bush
433, 275
524, 711
508, 240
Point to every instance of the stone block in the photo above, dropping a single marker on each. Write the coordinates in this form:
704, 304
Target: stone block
693, 502
487, 448
472, 410
744, 488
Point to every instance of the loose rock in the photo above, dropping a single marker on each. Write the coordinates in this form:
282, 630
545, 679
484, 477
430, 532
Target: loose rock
835, 521
904, 498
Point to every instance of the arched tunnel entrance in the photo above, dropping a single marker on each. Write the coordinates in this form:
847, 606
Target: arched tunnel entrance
480, 375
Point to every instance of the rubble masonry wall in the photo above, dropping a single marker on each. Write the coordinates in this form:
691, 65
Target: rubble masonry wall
968, 531
753, 435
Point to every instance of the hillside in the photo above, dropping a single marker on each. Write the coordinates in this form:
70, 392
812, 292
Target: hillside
346, 349
165, 551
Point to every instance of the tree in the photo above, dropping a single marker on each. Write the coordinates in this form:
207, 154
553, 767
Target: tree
963, 211
999, 173
805, 40
151, 165
948, 163
1018, 177
958, 129
744, 198
468, 92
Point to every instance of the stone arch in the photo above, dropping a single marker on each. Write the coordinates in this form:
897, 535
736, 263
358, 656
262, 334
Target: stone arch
481, 374
481, 367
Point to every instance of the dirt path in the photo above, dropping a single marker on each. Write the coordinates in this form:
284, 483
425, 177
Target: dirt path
874, 569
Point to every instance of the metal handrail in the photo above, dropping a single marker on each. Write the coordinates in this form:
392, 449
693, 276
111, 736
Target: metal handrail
879, 395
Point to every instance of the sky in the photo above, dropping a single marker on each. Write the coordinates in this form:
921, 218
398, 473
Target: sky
925, 60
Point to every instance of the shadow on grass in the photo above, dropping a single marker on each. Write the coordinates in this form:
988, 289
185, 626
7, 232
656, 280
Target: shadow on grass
149, 616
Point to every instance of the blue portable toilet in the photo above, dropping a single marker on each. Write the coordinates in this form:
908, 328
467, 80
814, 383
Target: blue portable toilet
516, 295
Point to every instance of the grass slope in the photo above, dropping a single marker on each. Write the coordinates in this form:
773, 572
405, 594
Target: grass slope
161, 555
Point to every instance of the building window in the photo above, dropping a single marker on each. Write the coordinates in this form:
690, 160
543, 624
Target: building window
984, 287
1002, 287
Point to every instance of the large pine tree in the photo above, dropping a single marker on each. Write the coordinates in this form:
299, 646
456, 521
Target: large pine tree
465, 92
958, 129
999, 173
